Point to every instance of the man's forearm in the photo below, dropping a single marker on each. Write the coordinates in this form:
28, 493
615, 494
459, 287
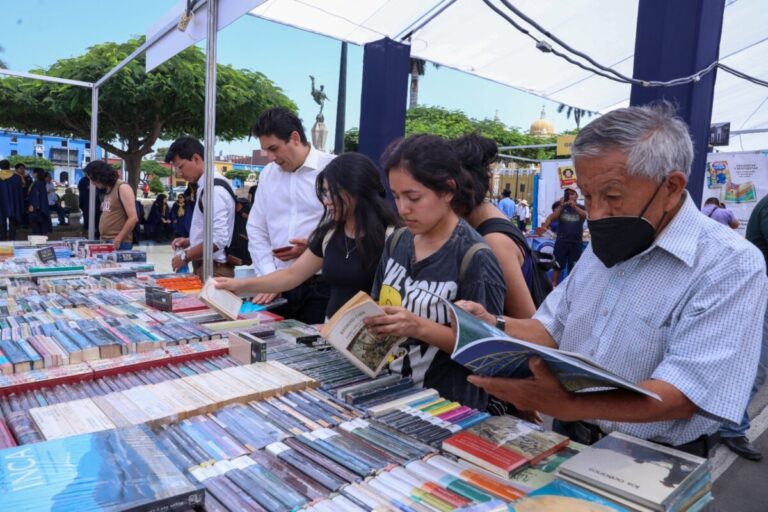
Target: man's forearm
195, 252
624, 406
528, 329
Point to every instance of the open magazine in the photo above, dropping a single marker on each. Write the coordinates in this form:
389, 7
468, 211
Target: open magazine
487, 351
349, 335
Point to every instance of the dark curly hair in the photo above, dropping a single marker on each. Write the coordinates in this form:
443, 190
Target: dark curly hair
433, 163
476, 154
101, 172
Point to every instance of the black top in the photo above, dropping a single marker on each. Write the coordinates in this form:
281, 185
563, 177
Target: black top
402, 281
571, 226
345, 275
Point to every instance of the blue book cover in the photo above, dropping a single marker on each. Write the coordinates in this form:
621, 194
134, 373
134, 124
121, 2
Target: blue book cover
487, 351
113, 470
560, 495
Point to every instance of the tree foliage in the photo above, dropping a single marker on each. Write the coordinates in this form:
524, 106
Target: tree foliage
239, 174
30, 162
454, 123
152, 167
135, 107
156, 186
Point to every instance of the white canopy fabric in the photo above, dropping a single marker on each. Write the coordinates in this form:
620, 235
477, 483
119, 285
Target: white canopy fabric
467, 35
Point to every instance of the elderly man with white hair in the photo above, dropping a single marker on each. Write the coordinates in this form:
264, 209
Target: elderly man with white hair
660, 297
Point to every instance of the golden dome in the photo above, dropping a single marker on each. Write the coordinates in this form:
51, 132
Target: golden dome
542, 127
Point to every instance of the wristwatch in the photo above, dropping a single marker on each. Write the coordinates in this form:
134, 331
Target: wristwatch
183, 255
501, 323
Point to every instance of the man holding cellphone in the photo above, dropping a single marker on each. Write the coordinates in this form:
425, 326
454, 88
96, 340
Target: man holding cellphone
570, 230
286, 210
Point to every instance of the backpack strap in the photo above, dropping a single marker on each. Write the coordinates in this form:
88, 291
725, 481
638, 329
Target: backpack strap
221, 182
467, 259
394, 238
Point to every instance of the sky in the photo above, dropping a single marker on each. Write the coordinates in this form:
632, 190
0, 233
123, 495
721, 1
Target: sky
37, 33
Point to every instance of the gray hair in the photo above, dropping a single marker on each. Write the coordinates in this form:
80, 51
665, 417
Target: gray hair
655, 140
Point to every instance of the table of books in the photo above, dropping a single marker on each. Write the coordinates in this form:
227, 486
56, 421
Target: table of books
109, 404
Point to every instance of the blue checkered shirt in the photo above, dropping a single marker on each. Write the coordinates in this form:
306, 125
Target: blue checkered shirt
687, 311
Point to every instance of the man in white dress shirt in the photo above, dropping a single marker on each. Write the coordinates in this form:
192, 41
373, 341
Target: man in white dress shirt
186, 155
286, 210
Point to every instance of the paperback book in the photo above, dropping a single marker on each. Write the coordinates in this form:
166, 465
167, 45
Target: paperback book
223, 301
349, 335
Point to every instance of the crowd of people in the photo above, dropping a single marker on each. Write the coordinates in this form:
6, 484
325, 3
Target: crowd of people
637, 300
664, 295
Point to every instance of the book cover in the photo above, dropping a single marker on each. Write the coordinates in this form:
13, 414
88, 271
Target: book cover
113, 470
224, 302
487, 351
349, 335
641, 471
559, 496
524, 438
485, 454
543, 472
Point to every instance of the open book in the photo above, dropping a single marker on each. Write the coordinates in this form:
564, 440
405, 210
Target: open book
347, 333
487, 351
222, 301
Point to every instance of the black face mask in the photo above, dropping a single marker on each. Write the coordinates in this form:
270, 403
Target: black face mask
617, 239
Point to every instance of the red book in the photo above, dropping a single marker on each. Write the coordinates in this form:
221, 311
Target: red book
484, 454
6, 438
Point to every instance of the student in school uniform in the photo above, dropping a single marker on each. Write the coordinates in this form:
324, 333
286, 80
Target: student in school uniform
423, 264
187, 156
348, 243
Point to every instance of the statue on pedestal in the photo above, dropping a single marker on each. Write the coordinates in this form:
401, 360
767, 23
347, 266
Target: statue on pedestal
319, 131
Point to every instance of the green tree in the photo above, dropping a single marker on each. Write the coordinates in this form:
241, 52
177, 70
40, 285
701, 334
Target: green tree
31, 162
160, 154
418, 68
352, 139
135, 107
454, 123
152, 167
239, 174
156, 186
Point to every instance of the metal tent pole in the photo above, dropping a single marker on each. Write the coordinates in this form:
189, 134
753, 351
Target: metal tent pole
210, 137
94, 135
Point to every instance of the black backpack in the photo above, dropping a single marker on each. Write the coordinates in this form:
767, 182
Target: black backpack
539, 284
238, 247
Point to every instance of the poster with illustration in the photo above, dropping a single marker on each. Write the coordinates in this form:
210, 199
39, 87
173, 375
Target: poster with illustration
738, 181
567, 176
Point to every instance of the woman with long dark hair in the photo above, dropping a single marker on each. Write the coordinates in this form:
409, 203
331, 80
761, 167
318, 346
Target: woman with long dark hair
439, 257
37, 204
476, 154
348, 242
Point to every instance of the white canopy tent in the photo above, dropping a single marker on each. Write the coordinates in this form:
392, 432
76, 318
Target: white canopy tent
469, 36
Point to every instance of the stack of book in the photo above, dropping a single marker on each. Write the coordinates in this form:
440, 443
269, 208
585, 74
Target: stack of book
640, 475
504, 444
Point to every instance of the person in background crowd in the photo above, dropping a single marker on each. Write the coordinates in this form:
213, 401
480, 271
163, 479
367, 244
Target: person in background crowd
71, 202
570, 232
54, 203
423, 264
142, 222
118, 207
476, 154
348, 243
11, 201
716, 211
187, 156
26, 184
286, 210
735, 436
39, 213
84, 194
158, 225
522, 212
252, 193
507, 206
146, 190
179, 219
632, 165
